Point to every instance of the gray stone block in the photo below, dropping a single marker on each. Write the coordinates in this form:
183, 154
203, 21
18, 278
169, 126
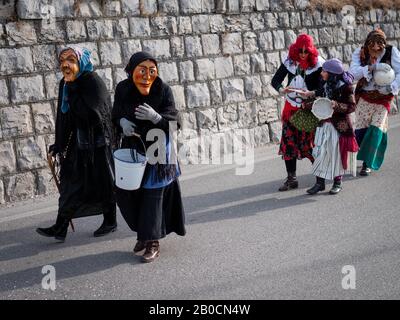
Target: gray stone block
76, 30
284, 21
43, 118
44, 57
168, 72
28, 9
191, 6
112, 8
169, 6
121, 28
130, 7
273, 61
164, 26
119, 75
290, 37
179, 97
21, 33
265, 40
52, 32
262, 5
237, 23
279, 39
52, 81
45, 182
184, 25
250, 43
31, 153
88, 9
275, 130
110, 53
16, 61
197, 95
233, 6
129, 47
205, 69
100, 29
241, 64
7, 158
232, 43
177, 47
228, 117
217, 23
232, 90
106, 76
247, 114
64, 9
148, 7
211, 44
271, 20
201, 23
215, 92
20, 186
140, 27
193, 46
253, 87
27, 89
158, 48
223, 67
248, 5
4, 97
261, 136
207, 119
16, 121
257, 63
257, 21
267, 111
186, 71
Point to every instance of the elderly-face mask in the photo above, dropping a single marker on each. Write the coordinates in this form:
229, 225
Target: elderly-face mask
69, 65
144, 75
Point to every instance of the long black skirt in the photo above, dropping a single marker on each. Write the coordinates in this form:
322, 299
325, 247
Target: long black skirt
153, 213
86, 186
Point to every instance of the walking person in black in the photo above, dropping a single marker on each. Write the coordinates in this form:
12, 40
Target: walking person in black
82, 146
143, 102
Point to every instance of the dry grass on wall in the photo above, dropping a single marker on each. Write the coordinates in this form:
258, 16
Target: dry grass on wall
337, 5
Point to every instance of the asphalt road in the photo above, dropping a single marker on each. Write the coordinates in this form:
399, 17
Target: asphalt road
244, 240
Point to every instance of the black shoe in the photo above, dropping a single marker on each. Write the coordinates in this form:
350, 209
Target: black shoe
336, 188
290, 183
105, 229
365, 172
47, 232
61, 231
316, 188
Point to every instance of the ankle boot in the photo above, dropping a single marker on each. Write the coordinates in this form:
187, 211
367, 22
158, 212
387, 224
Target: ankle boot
336, 188
51, 231
152, 251
290, 182
62, 229
109, 224
365, 171
318, 186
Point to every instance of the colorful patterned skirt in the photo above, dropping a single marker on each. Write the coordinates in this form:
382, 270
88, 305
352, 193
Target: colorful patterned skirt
295, 144
371, 132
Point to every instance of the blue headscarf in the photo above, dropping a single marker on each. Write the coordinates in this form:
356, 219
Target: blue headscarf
85, 64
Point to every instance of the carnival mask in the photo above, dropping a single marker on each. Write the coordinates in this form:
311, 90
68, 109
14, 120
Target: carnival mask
69, 65
144, 75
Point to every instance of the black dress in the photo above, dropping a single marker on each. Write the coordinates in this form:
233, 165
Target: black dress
152, 213
83, 143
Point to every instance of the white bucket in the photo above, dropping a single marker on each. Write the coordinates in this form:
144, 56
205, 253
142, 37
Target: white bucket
128, 173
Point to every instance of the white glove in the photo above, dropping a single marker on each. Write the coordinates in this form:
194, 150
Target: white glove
127, 126
145, 112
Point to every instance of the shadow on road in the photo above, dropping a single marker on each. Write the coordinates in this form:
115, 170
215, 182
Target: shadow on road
68, 269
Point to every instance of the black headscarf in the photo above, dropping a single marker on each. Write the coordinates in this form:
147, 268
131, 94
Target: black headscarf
137, 58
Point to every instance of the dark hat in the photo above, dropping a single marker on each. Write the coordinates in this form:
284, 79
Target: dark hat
137, 58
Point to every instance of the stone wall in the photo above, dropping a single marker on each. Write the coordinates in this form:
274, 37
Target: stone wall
217, 55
